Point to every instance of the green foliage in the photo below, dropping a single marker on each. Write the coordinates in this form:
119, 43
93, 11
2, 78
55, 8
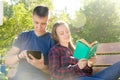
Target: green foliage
18, 18
58, 16
102, 21
98, 20
19, 22
8, 12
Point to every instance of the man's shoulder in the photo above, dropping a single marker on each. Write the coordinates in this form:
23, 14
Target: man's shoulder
47, 34
26, 33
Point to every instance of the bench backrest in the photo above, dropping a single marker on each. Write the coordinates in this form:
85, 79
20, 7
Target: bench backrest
107, 54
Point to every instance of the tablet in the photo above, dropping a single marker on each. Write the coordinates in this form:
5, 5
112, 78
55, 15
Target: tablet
36, 54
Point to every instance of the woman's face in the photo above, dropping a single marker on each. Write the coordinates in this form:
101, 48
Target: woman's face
63, 34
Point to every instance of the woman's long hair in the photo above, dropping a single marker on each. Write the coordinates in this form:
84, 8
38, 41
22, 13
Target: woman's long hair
54, 34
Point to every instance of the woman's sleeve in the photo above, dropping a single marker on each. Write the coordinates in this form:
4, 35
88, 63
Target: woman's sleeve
86, 70
59, 72
73, 60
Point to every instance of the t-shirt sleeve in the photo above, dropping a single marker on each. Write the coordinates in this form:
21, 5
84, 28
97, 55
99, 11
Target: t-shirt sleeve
18, 40
52, 43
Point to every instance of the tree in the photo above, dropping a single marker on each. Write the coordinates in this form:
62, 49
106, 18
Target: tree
21, 19
18, 18
8, 12
101, 21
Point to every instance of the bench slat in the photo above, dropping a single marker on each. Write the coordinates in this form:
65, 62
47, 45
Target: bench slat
107, 59
108, 48
107, 54
97, 69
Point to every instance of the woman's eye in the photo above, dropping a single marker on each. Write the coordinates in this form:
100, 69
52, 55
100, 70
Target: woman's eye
61, 33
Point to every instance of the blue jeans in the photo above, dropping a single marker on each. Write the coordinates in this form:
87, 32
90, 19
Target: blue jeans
3, 69
87, 78
109, 73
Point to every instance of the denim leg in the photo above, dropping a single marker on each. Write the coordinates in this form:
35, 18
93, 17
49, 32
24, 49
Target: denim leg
87, 78
110, 73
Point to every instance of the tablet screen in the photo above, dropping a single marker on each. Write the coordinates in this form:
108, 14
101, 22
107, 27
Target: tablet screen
36, 54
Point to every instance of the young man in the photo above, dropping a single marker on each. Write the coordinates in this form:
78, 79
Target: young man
37, 39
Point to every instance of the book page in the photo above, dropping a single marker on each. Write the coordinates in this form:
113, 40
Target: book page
85, 42
93, 50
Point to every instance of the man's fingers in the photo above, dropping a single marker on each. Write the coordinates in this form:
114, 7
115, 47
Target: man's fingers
31, 56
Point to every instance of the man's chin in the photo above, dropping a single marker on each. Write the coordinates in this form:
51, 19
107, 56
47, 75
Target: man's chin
40, 32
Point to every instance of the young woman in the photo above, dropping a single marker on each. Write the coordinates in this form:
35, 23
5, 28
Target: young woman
63, 66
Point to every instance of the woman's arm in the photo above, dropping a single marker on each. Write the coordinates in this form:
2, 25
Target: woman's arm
57, 70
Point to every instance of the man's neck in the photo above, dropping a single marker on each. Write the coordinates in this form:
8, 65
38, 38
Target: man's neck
40, 34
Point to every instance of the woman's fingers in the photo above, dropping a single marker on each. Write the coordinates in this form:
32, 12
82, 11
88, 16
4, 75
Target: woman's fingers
82, 63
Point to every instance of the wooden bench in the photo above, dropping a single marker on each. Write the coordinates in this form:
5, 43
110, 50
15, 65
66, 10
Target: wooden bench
107, 54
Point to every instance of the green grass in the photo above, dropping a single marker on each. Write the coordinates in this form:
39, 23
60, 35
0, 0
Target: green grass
3, 77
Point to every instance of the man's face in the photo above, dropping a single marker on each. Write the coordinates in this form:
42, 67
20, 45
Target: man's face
40, 24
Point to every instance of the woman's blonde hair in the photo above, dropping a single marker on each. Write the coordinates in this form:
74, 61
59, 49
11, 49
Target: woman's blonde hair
54, 34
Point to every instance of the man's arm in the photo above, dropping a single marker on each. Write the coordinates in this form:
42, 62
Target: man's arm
12, 58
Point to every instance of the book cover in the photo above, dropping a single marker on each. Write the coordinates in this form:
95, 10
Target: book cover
84, 50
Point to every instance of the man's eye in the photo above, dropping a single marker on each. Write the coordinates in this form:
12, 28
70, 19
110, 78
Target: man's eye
36, 22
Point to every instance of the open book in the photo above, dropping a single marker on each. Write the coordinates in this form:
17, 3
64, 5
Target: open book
84, 49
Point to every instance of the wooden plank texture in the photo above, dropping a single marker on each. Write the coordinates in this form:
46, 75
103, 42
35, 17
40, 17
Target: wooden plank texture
108, 48
107, 59
97, 69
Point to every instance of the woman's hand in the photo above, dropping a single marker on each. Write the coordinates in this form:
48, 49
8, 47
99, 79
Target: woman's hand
82, 63
91, 61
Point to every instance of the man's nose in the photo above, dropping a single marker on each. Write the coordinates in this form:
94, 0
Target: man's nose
39, 25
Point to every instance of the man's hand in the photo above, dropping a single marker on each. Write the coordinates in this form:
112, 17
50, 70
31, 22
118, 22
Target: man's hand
38, 63
23, 54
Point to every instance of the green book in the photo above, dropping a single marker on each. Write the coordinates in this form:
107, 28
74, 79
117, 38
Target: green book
82, 50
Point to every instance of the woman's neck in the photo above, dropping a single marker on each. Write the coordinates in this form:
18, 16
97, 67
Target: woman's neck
64, 44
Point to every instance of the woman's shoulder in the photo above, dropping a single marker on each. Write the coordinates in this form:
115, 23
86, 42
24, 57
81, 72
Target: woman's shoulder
55, 50
56, 46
